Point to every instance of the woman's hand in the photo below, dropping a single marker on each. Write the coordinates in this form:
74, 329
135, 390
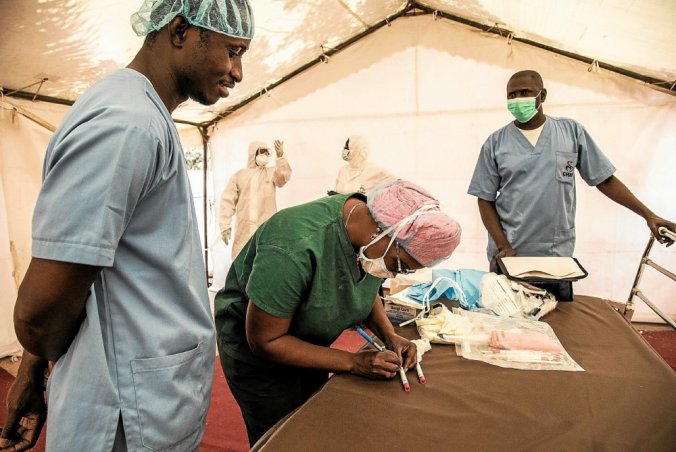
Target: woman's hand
405, 350
377, 365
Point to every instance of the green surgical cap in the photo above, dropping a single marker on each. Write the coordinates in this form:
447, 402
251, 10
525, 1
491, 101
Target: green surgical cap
229, 17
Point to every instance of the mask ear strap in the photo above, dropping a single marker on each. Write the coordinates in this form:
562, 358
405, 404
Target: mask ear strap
375, 234
422, 210
426, 298
397, 227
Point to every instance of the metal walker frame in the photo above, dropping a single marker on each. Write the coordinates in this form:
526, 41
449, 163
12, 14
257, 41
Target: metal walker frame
627, 309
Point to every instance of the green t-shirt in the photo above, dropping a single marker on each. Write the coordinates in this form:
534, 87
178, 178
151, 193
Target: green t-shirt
299, 264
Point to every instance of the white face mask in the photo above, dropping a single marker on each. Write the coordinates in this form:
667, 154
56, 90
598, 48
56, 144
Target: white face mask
376, 267
262, 160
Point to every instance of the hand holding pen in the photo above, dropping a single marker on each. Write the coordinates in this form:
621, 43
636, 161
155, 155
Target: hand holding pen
401, 368
375, 364
369, 339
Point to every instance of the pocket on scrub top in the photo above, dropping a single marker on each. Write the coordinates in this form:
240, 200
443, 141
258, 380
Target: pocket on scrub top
565, 166
170, 398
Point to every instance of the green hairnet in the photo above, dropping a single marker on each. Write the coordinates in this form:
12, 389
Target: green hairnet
230, 17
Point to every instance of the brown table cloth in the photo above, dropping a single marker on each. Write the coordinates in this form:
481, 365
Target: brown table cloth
625, 400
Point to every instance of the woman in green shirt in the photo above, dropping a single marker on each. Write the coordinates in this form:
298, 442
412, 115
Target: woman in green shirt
306, 275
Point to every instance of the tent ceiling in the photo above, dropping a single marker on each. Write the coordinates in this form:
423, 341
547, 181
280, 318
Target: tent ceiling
72, 43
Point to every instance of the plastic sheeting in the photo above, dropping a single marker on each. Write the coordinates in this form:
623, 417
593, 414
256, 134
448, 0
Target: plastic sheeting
8, 342
22, 149
73, 43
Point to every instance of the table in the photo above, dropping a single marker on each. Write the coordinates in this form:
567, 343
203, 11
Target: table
625, 399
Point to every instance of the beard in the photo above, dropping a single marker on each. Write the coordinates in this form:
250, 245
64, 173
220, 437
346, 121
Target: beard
189, 86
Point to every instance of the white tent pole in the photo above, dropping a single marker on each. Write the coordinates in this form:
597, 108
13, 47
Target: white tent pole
204, 132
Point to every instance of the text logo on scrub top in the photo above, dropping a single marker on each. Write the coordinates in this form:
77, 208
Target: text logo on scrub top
569, 169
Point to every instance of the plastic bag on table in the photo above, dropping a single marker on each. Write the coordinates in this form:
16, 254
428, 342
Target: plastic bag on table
419, 296
441, 326
512, 343
504, 297
461, 285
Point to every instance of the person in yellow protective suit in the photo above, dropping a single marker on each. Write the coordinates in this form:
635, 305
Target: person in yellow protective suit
359, 175
250, 193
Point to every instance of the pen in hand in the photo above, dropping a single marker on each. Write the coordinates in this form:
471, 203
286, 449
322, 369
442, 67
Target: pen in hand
380, 348
369, 339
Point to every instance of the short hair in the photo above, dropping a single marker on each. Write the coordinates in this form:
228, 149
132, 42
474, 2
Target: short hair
152, 37
529, 73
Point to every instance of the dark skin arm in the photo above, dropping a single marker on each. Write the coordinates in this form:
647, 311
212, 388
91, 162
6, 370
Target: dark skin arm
25, 406
51, 306
491, 221
269, 338
49, 310
614, 189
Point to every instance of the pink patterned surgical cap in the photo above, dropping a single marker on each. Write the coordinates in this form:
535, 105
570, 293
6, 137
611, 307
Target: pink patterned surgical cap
431, 237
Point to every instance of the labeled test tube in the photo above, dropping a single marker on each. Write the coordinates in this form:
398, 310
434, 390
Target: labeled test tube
404, 380
421, 376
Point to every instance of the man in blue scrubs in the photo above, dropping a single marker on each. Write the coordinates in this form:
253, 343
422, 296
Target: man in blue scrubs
524, 178
115, 294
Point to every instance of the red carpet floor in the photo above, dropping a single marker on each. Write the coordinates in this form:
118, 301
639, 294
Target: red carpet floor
664, 343
225, 428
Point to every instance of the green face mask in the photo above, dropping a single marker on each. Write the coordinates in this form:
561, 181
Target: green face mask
522, 108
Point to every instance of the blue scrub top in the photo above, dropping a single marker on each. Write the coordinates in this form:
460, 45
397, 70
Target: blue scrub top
533, 187
116, 194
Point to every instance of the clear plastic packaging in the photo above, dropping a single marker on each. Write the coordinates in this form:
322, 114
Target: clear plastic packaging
512, 343
441, 326
504, 297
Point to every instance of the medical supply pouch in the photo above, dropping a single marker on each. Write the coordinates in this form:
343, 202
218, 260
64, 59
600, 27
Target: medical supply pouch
399, 308
555, 274
441, 326
461, 285
504, 297
523, 344
398, 313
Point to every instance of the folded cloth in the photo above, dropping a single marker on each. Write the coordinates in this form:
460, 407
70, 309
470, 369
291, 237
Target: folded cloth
524, 340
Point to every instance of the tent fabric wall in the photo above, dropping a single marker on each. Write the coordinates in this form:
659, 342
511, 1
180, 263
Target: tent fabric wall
426, 93
22, 150
75, 42
8, 342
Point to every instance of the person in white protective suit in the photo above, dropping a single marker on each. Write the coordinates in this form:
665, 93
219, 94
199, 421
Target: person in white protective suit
359, 175
250, 193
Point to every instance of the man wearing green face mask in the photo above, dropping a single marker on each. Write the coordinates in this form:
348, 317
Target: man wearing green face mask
524, 178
